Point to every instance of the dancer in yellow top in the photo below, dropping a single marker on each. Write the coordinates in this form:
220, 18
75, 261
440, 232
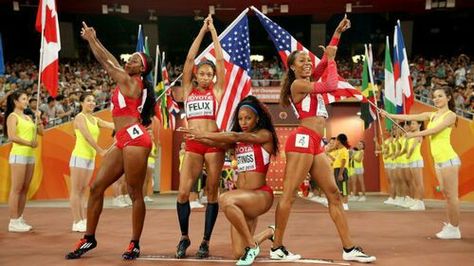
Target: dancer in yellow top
416, 167
389, 165
21, 132
406, 180
446, 160
358, 158
82, 162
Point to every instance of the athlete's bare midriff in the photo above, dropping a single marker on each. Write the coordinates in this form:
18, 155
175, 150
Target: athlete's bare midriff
316, 124
124, 121
250, 180
204, 125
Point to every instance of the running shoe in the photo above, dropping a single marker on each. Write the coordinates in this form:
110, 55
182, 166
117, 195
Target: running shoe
357, 254
82, 247
181, 248
280, 253
203, 251
132, 252
249, 256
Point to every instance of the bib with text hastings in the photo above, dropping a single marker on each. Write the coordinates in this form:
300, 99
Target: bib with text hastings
245, 158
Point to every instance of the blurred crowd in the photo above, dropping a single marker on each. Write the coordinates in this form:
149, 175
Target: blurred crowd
78, 77
75, 78
455, 72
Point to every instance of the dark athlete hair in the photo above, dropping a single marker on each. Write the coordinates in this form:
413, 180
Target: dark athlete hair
264, 118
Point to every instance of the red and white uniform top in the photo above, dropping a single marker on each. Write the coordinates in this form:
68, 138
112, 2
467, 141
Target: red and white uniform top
201, 105
252, 158
126, 106
311, 105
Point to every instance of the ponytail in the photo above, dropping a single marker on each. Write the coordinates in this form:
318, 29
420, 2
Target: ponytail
285, 93
148, 110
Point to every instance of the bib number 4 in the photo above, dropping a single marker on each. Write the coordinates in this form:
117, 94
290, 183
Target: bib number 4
134, 131
302, 141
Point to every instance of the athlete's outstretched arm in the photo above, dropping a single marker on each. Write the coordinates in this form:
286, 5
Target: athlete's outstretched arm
189, 63
103, 56
448, 121
260, 137
417, 117
343, 26
220, 66
303, 86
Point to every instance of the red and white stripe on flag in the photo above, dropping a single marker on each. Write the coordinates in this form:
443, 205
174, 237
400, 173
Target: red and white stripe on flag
237, 87
285, 43
47, 23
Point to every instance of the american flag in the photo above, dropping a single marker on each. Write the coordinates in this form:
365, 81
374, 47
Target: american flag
236, 49
285, 44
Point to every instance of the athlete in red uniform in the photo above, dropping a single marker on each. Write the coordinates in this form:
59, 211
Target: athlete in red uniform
202, 98
255, 140
133, 105
303, 147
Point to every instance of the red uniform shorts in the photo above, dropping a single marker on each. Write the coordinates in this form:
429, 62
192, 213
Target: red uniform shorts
304, 140
200, 148
134, 135
267, 189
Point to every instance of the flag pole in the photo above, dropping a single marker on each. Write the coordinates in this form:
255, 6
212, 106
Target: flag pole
391, 119
157, 172
373, 90
157, 54
138, 35
163, 60
371, 84
40, 68
169, 86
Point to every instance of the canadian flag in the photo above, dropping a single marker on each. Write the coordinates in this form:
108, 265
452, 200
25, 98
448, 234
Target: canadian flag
47, 24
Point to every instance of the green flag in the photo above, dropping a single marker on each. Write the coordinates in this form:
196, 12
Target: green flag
389, 92
366, 111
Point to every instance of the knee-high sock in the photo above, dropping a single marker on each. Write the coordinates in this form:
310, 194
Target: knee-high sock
184, 210
212, 210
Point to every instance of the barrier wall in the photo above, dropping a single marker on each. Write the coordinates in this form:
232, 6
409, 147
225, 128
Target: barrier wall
462, 140
51, 176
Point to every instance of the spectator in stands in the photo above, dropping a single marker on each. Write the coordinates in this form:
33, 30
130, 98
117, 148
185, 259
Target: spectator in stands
64, 107
470, 108
50, 111
459, 97
460, 74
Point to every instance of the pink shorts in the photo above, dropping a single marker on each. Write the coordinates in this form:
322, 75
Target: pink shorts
304, 140
200, 148
134, 135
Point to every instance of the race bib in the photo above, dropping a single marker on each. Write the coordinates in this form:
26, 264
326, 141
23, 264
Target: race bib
306, 103
246, 162
200, 108
302, 141
134, 131
321, 111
